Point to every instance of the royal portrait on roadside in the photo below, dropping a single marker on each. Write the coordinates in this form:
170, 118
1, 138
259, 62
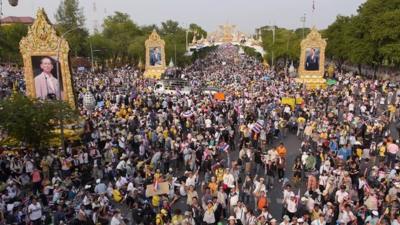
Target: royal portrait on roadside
312, 59
47, 71
47, 84
155, 56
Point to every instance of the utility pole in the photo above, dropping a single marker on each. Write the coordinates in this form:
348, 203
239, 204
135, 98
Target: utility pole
91, 56
273, 44
175, 53
303, 20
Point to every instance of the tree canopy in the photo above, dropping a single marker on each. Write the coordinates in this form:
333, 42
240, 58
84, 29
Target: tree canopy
286, 46
31, 121
371, 37
10, 36
70, 16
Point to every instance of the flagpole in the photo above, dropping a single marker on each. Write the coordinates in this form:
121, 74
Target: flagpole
313, 13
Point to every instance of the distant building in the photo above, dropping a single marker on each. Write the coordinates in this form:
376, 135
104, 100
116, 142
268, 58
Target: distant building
27, 20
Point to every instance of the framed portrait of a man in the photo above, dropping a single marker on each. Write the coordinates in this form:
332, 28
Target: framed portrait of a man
47, 84
155, 56
312, 59
43, 51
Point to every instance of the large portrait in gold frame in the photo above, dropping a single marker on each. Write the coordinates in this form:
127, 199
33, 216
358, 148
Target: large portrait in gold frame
155, 56
42, 50
312, 58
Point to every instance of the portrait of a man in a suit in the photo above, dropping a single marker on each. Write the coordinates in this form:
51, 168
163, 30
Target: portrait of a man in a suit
155, 56
312, 60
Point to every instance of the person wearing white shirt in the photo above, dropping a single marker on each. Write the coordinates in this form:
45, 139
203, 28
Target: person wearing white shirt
319, 221
229, 179
121, 182
35, 212
208, 123
341, 194
191, 180
117, 219
121, 165
396, 221
240, 212
286, 220
100, 187
291, 205
346, 215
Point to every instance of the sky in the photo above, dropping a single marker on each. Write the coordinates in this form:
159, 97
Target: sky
247, 15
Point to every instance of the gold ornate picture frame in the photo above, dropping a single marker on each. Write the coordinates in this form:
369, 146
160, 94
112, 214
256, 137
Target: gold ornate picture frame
155, 56
43, 42
315, 42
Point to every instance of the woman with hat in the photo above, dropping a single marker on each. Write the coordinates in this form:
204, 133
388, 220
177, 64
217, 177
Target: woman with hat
231, 220
209, 215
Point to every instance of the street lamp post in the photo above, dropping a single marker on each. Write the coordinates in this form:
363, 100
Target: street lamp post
273, 41
59, 84
91, 55
303, 20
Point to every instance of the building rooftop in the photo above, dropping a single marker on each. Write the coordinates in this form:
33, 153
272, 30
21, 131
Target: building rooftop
17, 19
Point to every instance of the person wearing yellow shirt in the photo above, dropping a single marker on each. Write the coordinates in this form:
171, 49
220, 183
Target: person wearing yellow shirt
392, 112
177, 218
382, 152
213, 185
155, 201
219, 173
301, 122
160, 218
165, 133
116, 194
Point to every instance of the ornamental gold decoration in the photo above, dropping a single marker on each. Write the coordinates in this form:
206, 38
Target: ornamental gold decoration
42, 40
155, 67
313, 78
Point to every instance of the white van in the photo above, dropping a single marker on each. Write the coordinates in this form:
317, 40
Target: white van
170, 87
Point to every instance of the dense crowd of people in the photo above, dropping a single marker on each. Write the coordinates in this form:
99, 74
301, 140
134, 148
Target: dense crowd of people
148, 158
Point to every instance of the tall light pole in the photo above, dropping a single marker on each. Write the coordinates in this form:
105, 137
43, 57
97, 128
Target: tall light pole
273, 43
91, 55
303, 20
59, 83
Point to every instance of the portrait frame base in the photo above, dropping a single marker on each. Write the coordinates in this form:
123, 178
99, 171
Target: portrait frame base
153, 73
312, 82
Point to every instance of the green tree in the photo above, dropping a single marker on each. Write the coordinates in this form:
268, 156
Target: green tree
196, 29
170, 27
371, 37
10, 37
286, 46
338, 35
30, 121
121, 31
137, 49
382, 29
101, 46
70, 16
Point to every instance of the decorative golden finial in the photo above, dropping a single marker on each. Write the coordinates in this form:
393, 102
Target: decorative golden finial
15, 87
140, 64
